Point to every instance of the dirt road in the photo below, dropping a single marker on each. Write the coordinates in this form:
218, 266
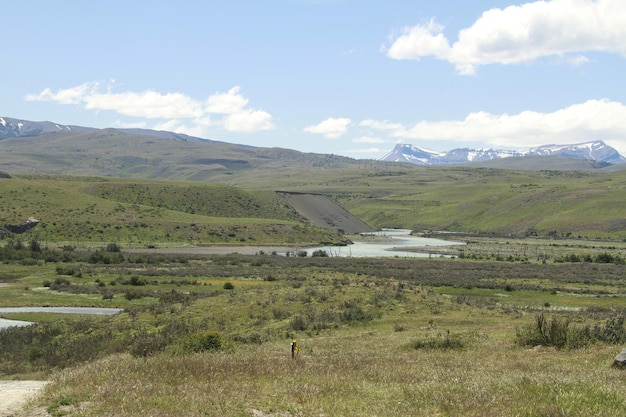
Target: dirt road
14, 394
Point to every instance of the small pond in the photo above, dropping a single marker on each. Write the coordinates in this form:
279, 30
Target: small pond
4, 323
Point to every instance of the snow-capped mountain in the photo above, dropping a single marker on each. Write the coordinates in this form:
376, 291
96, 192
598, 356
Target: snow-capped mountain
595, 151
13, 128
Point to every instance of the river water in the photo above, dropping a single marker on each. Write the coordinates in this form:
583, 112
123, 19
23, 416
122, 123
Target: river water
387, 243
4, 323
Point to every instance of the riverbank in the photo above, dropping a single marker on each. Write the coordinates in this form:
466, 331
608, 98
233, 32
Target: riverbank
384, 243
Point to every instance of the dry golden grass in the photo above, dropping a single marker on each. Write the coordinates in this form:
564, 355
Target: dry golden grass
361, 372
351, 362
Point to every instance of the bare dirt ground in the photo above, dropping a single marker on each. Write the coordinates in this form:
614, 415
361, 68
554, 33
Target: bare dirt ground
15, 394
321, 211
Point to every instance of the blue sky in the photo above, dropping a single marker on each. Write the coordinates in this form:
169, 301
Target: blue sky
344, 77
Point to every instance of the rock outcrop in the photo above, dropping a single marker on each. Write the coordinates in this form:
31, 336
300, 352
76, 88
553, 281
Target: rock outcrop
620, 360
7, 229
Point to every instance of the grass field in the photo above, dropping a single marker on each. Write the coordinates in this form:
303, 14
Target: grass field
79, 211
492, 202
377, 337
524, 320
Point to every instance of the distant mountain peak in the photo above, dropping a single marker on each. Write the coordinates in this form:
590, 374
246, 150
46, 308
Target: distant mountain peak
594, 150
15, 128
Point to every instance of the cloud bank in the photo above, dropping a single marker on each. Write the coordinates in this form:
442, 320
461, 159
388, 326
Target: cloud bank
521, 34
591, 120
228, 111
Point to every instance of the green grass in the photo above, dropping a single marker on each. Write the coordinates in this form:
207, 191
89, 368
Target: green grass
74, 210
495, 201
562, 204
376, 337
351, 376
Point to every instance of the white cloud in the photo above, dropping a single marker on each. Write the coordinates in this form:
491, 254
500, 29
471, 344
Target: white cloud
369, 139
226, 103
521, 34
148, 104
384, 125
248, 121
365, 153
591, 120
420, 41
226, 110
129, 125
331, 128
72, 95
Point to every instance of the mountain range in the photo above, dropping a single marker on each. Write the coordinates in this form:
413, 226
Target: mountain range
597, 151
28, 147
50, 148
15, 128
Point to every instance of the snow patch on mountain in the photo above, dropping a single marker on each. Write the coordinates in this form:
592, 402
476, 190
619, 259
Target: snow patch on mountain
594, 151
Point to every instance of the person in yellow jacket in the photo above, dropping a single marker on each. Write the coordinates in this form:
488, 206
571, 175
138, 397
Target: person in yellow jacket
294, 349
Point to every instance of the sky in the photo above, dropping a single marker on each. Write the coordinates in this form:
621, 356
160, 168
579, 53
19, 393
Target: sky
343, 77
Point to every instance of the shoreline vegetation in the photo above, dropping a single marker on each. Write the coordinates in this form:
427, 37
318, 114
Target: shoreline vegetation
209, 334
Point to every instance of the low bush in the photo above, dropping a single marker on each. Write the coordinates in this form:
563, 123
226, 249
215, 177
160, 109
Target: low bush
560, 333
203, 341
445, 341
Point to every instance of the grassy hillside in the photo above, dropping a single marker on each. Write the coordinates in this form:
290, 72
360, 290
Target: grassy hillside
496, 200
471, 200
507, 327
78, 209
111, 152
493, 201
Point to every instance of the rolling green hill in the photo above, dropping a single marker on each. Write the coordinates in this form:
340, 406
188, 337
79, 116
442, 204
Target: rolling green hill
143, 188
468, 200
115, 153
146, 212
495, 201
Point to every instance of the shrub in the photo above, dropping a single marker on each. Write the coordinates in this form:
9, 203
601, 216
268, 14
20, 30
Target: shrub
612, 332
204, 341
249, 339
441, 342
113, 247
229, 286
147, 343
560, 334
135, 280
102, 257
298, 323
34, 246
133, 295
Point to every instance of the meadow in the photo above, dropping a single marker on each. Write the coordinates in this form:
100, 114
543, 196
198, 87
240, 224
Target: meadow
247, 209
524, 320
210, 335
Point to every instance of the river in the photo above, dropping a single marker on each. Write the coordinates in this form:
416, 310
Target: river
387, 243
